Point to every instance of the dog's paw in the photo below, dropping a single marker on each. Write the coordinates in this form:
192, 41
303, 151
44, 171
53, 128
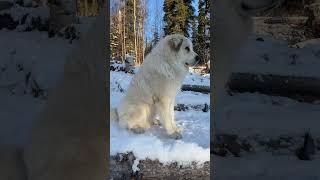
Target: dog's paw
156, 122
138, 130
176, 135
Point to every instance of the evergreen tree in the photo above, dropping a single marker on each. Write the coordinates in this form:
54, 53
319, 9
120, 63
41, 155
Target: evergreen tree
190, 16
207, 14
148, 47
178, 15
207, 31
168, 9
194, 30
155, 35
200, 45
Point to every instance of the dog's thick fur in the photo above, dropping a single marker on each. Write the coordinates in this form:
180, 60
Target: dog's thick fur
154, 88
232, 26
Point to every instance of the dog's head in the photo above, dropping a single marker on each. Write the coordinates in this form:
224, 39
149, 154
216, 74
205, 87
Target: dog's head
181, 49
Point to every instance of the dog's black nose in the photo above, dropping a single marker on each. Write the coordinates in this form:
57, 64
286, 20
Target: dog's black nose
197, 58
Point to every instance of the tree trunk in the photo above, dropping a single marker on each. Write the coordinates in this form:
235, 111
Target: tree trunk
196, 88
142, 38
95, 7
135, 30
120, 35
124, 34
86, 7
302, 88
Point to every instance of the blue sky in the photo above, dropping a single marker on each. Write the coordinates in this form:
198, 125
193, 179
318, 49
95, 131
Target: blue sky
153, 6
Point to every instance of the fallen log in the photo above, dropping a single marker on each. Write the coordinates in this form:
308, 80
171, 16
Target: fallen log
153, 169
150, 169
196, 88
196, 107
300, 88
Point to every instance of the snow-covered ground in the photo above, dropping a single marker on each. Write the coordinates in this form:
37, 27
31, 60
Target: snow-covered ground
275, 57
248, 113
195, 125
33, 56
253, 116
251, 113
263, 166
23, 53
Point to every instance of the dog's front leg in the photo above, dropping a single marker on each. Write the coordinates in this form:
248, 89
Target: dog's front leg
172, 117
166, 112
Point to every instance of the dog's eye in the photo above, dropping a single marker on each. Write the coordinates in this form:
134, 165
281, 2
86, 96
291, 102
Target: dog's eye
187, 48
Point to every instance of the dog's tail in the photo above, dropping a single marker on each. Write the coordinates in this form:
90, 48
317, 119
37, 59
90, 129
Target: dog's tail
114, 114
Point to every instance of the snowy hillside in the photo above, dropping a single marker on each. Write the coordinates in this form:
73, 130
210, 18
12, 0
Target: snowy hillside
195, 125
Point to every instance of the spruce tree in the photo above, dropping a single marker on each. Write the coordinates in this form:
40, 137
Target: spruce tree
208, 26
178, 15
194, 30
156, 37
168, 9
190, 17
201, 42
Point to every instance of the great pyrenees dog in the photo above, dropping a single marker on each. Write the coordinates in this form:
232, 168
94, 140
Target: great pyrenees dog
153, 89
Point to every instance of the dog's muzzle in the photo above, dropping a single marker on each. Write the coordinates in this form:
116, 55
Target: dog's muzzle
197, 58
195, 62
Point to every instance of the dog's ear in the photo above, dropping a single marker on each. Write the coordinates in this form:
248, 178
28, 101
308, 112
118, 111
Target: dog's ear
175, 43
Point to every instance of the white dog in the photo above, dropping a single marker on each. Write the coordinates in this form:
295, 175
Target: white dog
154, 88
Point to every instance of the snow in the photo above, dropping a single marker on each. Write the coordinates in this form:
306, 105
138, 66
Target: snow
251, 115
275, 57
31, 50
17, 12
154, 144
196, 79
37, 54
266, 167
16, 116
